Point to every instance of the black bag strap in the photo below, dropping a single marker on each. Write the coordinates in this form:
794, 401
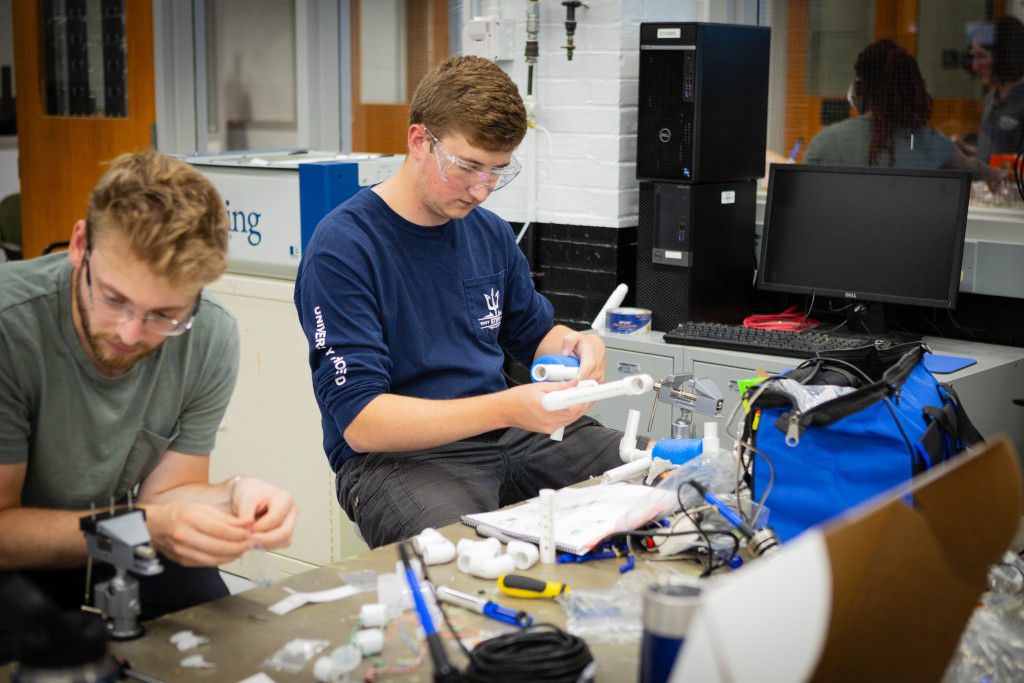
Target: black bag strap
966, 432
949, 430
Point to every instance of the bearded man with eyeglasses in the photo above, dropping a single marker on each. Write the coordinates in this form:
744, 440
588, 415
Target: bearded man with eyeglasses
410, 293
115, 371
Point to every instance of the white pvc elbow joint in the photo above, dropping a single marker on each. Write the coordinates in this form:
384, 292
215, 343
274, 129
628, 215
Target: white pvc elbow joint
433, 547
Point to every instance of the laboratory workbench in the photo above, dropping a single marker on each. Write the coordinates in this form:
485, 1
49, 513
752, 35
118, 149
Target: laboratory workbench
243, 633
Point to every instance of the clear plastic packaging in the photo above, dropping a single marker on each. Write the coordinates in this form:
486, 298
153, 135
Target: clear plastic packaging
1007, 576
606, 615
295, 654
255, 563
717, 471
992, 646
362, 580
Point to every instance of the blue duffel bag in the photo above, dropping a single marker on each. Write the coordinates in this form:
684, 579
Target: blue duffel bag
845, 426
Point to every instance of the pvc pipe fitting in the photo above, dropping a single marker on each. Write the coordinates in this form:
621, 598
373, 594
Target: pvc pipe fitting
485, 567
373, 614
427, 537
469, 545
524, 554
439, 553
465, 560
370, 640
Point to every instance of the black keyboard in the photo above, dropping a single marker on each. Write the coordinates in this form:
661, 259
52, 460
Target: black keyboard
755, 340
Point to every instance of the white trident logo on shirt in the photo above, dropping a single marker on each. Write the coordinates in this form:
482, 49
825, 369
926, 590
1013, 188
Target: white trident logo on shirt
492, 320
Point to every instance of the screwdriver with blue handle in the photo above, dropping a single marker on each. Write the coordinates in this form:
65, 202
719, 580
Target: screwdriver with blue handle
519, 586
486, 607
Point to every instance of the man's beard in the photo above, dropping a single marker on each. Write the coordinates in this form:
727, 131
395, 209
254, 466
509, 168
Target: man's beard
96, 341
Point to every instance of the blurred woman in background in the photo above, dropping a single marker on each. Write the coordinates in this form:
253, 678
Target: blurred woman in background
890, 127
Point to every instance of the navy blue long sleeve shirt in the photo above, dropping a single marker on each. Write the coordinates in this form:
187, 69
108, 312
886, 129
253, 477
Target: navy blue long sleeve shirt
389, 306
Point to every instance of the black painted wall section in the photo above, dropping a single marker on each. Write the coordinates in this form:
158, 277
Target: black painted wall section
577, 267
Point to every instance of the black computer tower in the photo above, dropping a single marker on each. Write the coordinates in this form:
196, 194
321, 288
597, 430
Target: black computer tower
695, 251
703, 101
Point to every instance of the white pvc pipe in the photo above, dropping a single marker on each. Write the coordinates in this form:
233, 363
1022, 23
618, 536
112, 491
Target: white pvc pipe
627, 444
547, 524
633, 385
551, 372
626, 471
616, 298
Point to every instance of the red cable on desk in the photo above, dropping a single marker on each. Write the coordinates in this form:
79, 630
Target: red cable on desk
788, 321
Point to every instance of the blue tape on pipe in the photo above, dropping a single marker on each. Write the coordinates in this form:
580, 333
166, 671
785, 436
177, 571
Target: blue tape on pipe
543, 368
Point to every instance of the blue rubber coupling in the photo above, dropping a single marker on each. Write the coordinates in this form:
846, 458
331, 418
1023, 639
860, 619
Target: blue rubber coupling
678, 451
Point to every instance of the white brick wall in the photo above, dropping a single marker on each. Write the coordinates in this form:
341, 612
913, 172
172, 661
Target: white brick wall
586, 173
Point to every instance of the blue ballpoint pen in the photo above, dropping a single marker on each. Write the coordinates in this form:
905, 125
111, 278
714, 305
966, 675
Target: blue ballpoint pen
488, 608
444, 672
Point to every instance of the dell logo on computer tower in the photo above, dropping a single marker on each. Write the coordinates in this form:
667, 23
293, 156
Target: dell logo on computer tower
703, 102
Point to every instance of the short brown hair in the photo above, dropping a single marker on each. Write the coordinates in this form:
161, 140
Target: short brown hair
472, 96
167, 214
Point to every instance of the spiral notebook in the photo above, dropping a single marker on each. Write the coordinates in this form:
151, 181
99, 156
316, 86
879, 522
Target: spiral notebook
583, 515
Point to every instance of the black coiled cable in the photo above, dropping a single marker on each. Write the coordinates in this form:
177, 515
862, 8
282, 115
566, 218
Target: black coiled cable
542, 652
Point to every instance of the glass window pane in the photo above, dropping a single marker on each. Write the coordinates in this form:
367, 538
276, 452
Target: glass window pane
84, 55
251, 84
837, 30
382, 62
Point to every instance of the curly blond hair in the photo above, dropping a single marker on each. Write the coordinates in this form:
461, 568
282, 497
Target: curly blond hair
166, 213
472, 96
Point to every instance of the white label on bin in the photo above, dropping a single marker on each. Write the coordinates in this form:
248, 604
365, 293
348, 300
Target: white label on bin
729, 197
666, 33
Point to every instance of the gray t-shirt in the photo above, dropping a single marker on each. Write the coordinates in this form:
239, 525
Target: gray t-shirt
87, 437
846, 144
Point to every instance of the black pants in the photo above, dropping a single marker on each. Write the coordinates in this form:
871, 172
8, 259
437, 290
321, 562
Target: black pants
174, 589
392, 496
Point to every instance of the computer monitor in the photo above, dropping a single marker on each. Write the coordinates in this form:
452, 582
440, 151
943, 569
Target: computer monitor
865, 234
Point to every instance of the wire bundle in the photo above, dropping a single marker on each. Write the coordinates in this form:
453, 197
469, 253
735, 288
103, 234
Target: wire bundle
540, 653
789, 320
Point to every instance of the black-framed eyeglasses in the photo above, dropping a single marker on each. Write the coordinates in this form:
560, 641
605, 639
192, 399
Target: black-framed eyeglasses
471, 174
118, 311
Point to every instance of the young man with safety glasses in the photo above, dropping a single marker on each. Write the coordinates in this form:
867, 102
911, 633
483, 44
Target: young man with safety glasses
115, 371
410, 293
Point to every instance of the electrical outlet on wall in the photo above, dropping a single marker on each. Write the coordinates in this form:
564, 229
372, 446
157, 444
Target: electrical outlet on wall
488, 37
